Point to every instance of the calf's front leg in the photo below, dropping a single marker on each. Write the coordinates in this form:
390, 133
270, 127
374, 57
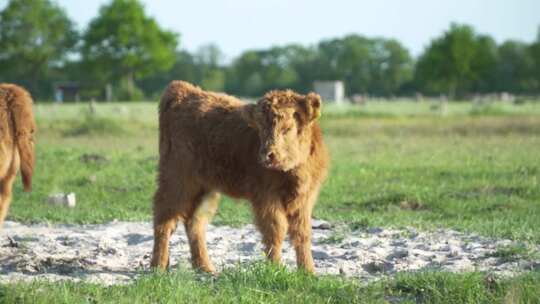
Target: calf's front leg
272, 223
300, 235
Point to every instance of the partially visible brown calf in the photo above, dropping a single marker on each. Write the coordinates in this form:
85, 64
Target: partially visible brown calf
17, 127
270, 153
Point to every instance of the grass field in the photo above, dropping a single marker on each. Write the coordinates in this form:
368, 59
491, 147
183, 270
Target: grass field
262, 283
475, 169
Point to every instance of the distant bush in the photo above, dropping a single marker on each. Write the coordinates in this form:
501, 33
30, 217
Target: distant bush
122, 93
94, 125
487, 110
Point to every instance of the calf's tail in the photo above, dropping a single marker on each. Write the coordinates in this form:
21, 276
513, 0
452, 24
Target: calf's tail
20, 107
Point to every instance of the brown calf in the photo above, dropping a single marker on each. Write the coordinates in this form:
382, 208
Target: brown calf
17, 127
270, 153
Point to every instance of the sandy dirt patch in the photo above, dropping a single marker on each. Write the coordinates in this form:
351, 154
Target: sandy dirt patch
118, 252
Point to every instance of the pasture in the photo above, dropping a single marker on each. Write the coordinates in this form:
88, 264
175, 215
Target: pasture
475, 169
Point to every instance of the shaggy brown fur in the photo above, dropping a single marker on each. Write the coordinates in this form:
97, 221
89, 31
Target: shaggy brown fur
17, 127
270, 153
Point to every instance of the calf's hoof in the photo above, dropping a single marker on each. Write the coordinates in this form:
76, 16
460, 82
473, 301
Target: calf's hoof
208, 268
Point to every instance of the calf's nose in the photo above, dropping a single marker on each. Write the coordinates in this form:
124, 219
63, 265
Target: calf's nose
270, 157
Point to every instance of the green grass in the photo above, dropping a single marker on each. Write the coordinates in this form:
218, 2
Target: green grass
443, 287
396, 164
263, 283
476, 174
393, 164
514, 252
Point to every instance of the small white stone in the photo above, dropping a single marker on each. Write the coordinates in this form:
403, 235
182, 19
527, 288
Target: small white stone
62, 199
71, 201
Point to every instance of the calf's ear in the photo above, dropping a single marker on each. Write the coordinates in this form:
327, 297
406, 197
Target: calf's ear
313, 106
248, 114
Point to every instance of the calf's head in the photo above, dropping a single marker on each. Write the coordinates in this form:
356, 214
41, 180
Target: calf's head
283, 120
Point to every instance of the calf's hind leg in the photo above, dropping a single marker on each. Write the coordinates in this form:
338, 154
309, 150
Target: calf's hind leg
6, 186
195, 226
165, 221
171, 201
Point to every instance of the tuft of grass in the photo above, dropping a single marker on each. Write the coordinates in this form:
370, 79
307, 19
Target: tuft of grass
335, 238
474, 287
512, 253
488, 110
91, 125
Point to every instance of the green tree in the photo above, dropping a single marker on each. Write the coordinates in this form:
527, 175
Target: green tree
184, 68
392, 67
244, 76
534, 53
347, 59
35, 36
376, 66
304, 61
256, 72
203, 68
209, 55
447, 64
484, 65
122, 43
213, 79
278, 71
210, 74
514, 67
459, 62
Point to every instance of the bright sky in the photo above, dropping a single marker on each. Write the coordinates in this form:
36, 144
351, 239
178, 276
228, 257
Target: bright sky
237, 25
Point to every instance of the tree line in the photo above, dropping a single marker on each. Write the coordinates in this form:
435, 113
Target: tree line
126, 50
